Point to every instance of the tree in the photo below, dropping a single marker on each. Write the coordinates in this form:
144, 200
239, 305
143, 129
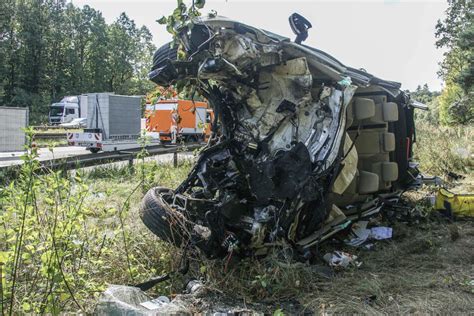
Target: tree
51, 48
131, 54
456, 33
430, 98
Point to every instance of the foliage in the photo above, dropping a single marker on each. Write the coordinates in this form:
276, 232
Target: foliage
50, 49
454, 106
456, 33
429, 98
441, 150
161, 93
181, 22
66, 236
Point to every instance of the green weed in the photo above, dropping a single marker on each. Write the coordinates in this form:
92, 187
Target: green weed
66, 236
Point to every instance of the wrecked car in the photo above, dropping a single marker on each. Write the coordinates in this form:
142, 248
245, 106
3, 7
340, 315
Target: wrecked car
301, 144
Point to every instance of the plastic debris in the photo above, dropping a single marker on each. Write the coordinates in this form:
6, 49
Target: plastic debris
340, 259
455, 204
193, 286
359, 234
379, 233
129, 300
346, 81
156, 303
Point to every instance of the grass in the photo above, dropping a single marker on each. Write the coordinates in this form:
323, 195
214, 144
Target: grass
428, 267
441, 150
422, 270
66, 237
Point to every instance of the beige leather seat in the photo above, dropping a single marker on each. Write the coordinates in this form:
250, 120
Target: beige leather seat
371, 142
364, 183
360, 109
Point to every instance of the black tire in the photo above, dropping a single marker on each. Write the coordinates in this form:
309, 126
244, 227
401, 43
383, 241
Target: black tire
160, 219
162, 72
163, 54
94, 150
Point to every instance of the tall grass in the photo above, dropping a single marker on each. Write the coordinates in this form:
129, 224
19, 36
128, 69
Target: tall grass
441, 150
66, 236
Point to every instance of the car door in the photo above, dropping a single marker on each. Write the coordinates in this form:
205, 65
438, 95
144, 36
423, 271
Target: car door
70, 114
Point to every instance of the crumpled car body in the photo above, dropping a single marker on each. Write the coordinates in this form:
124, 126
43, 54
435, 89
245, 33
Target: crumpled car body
300, 143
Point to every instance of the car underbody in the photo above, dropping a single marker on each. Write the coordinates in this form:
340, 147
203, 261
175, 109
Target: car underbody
300, 145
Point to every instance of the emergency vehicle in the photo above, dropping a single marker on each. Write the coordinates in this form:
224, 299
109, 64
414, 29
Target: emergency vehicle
174, 120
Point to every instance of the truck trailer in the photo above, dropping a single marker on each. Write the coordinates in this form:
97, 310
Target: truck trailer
13, 121
113, 123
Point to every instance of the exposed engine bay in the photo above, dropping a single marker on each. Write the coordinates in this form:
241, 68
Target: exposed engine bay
300, 143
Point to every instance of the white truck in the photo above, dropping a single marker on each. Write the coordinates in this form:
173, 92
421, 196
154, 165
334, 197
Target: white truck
68, 109
113, 124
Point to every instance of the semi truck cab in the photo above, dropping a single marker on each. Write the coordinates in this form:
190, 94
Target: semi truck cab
63, 113
68, 109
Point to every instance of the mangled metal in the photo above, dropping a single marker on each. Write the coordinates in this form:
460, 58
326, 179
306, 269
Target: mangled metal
298, 138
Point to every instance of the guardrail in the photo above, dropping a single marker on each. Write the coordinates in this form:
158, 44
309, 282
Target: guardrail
49, 135
48, 127
88, 160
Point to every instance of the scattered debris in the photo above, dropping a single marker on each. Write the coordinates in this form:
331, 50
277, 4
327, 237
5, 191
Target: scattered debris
379, 233
358, 234
340, 259
452, 204
369, 246
126, 300
156, 303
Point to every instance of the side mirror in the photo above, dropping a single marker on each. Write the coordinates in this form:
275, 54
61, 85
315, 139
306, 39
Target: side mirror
300, 26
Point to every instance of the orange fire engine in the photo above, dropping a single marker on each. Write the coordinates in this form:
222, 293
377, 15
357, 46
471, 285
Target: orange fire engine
179, 119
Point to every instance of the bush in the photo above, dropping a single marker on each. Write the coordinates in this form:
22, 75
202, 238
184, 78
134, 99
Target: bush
454, 106
441, 150
66, 236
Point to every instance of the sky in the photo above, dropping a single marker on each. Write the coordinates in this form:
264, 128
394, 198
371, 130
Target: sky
391, 39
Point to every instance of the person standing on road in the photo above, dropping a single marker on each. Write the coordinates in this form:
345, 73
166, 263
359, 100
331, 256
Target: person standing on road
174, 126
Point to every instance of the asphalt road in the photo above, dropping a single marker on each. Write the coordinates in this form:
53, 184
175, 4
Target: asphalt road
13, 158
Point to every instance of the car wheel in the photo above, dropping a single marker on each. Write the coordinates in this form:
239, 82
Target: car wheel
160, 218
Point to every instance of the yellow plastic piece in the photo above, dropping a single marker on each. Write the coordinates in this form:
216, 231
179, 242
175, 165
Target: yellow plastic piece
458, 204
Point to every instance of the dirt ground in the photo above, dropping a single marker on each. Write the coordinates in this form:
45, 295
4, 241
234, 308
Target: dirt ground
424, 269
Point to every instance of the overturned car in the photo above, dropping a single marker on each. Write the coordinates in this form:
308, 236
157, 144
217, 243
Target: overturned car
301, 144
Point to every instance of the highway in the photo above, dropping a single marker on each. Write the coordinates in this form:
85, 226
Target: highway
13, 158
73, 157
